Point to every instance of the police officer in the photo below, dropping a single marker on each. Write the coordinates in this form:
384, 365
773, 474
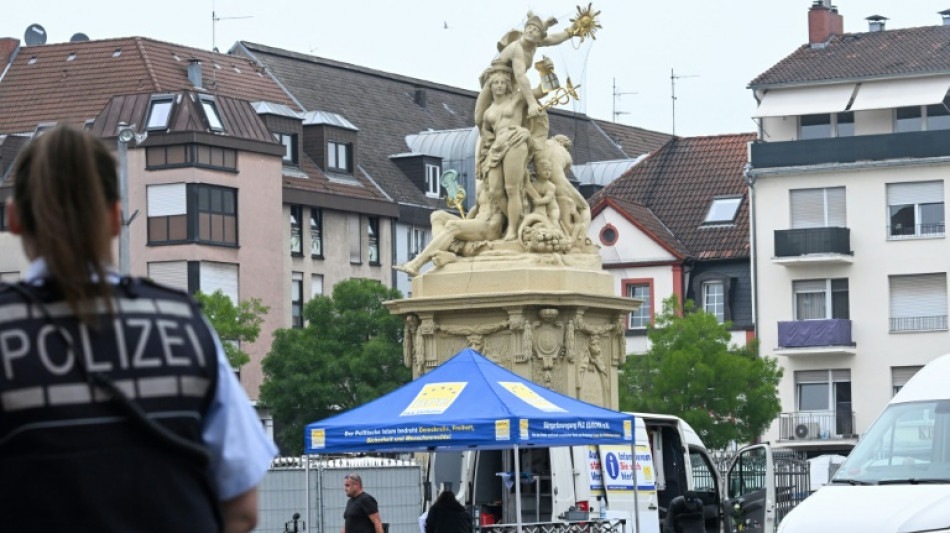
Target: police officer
118, 409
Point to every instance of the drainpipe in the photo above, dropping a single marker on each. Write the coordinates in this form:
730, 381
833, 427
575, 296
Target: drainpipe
753, 273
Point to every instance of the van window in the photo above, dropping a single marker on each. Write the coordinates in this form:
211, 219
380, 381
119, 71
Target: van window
703, 479
910, 442
748, 472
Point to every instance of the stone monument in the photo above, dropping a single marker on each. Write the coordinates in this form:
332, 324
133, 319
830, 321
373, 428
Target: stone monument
516, 278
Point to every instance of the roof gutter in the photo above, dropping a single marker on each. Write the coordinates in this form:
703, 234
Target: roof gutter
10, 62
836, 81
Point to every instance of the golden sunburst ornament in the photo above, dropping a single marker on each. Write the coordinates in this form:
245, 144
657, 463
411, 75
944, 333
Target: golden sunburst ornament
585, 23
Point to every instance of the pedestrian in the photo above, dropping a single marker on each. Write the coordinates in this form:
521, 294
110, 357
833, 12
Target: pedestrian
448, 516
362, 512
118, 408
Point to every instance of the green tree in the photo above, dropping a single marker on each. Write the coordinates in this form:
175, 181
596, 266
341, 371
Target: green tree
234, 323
727, 393
349, 353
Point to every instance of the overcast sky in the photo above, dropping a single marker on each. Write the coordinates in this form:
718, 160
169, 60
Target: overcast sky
717, 47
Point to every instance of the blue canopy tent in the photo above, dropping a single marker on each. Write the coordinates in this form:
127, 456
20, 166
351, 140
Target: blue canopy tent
467, 403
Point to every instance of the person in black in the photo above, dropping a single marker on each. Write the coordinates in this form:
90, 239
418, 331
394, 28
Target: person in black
362, 512
448, 516
118, 409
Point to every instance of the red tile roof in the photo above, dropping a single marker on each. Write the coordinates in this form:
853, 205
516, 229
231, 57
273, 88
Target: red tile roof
44, 85
669, 193
881, 54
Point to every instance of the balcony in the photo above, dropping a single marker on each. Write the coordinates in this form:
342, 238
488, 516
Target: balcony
815, 337
813, 246
918, 323
908, 145
808, 426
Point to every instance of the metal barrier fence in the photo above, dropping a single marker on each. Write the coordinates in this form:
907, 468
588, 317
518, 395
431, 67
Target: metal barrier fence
587, 526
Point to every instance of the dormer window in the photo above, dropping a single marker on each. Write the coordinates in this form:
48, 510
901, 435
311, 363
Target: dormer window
723, 210
290, 146
340, 156
432, 180
210, 108
159, 112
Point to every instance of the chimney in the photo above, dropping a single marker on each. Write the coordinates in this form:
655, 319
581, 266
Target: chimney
420, 97
8, 47
875, 23
194, 72
945, 15
823, 22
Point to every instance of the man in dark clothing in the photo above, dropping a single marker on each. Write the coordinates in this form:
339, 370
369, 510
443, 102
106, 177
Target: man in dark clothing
362, 512
448, 516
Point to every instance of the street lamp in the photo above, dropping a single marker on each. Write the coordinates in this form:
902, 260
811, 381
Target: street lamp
125, 134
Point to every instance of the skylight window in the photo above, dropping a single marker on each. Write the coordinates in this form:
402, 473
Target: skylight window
32, 60
723, 210
71, 56
117, 53
159, 112
210, 108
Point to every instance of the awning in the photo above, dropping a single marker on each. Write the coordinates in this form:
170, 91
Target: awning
805, 100
891, 94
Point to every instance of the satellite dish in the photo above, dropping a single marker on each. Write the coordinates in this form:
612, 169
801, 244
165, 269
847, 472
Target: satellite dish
78, 37
34, 35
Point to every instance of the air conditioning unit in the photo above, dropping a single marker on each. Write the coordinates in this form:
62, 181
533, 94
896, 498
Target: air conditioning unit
807, 431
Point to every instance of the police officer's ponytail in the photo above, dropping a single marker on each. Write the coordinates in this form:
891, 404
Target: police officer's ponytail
65, 189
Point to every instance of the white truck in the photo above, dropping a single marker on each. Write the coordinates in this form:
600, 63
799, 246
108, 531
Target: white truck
580, 482
897, 478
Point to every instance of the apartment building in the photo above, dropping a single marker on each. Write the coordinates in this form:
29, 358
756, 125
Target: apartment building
848, 187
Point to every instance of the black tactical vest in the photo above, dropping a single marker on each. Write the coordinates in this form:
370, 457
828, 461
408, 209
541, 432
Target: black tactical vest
73, 457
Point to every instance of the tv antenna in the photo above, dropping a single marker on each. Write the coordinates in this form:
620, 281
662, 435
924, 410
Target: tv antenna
673, 77
618, 94
214, 22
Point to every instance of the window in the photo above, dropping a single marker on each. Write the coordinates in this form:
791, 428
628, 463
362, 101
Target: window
714, 301
159, 112
643, 290
190, 155
316, 233
417, 239
900, 375
296, 230
372, 232
216, 219
826, 125
818, 208
823, 390
908, 119
354, 235
296, 299
222, 277
339, 156
918, 302
723, 210
915, 209
938, 116
821, 299
609, 235
316, 285
290, 146
432, 180
3, 217
210, 108
167, 213
922, 118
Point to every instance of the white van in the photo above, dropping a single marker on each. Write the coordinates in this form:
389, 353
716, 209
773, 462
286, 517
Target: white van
577, 482
897, 478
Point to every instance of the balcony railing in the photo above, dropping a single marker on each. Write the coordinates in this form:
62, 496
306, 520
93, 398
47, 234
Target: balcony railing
915, 231
812, 333
919, 323
804, 241
825, 425
919, 144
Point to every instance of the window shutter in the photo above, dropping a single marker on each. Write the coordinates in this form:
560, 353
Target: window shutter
811, 376
918, 296
914, 193
900, 375
836, 207
810, 285
167, 200
840, 375
316, 285
355, 237
808, 208
223, 276
170, 273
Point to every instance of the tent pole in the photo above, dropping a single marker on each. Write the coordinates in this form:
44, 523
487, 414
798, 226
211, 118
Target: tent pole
518, 489
636, 489
476, 513
306, 475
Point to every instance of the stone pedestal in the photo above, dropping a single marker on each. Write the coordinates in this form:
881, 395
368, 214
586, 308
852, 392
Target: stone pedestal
553, 319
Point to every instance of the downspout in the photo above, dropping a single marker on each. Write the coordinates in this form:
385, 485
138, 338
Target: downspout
753, 273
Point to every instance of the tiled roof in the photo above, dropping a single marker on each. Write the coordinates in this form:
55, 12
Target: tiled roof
634, 141
44, 85
677, 183
644, 217
880, 54
383, 107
